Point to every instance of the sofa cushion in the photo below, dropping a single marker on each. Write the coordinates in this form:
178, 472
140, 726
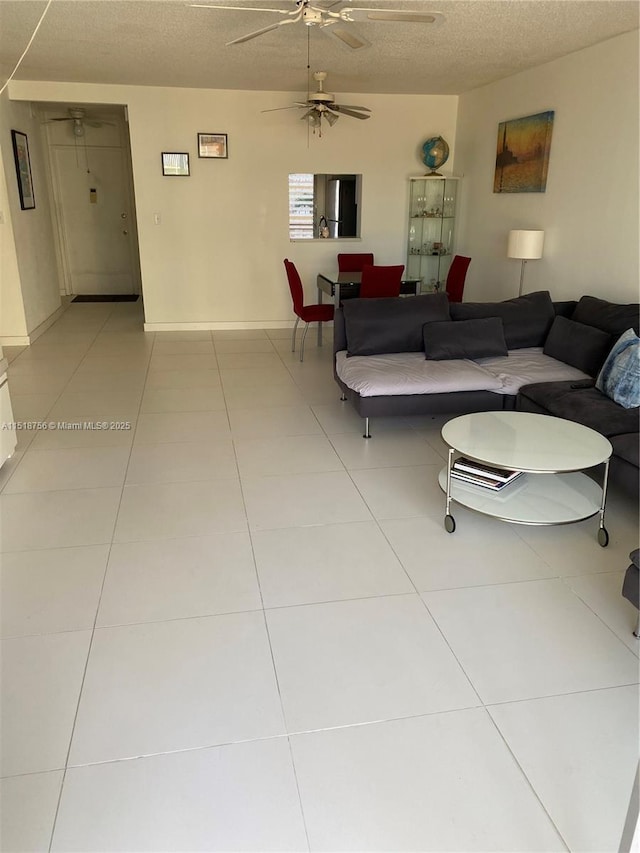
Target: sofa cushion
586, 406
581, 346
526, 319
377, 326
529, 365
620, 374
464, 339
608, 316
409, 374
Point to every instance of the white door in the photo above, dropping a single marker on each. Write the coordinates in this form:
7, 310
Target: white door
98, 234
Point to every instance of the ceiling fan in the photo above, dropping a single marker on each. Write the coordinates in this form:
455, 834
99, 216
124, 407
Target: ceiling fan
322, 105
316, 13
78, 115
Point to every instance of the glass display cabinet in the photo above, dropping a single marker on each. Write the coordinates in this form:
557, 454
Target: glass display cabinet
432, 216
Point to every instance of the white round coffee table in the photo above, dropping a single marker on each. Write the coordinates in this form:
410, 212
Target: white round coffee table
552, 452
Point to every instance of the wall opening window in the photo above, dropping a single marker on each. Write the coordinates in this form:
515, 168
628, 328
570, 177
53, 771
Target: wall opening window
331, 198
301, 212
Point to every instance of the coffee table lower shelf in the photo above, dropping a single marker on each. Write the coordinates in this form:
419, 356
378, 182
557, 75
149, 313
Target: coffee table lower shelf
537, 499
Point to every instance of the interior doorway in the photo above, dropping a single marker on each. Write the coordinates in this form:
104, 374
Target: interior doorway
94, 201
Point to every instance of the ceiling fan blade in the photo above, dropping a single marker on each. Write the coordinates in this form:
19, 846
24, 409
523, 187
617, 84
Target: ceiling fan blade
347, 36
352, 107
364, 14
348, 112
257, 33
48, 121
242, 8
275, 109
97, 123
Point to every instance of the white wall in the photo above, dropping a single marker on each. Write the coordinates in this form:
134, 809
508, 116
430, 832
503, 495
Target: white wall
589, 211
33, 240
12, 319
217, 255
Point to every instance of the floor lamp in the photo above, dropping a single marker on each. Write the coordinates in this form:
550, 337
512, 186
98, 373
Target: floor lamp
526, 246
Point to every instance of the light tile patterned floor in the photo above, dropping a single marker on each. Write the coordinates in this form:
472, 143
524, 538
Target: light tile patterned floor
238, 625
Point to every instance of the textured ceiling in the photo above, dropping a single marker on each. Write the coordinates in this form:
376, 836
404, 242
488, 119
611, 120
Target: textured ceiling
167, 43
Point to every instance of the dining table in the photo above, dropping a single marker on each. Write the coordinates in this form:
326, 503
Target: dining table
346, 285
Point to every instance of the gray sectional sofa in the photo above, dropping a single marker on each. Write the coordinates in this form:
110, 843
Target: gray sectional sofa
586, 404
422, 356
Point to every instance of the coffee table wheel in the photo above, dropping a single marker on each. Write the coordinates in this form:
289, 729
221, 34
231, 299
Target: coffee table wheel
449, 523
603, 537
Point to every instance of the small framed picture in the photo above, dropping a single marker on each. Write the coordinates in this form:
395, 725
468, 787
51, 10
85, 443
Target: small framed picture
23, 169
174, 163
213, 145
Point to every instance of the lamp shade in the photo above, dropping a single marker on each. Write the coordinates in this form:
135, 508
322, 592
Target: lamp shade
526, 245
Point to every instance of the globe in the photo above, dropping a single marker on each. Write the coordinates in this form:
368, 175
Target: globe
435, 152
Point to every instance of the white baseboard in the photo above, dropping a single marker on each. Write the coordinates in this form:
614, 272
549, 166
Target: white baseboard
218, 327
14, 340
25, 340
46, 324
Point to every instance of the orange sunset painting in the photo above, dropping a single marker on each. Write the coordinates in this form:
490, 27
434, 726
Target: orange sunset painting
522, 158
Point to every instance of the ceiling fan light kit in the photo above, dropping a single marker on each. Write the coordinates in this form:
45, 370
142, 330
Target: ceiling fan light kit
322, 105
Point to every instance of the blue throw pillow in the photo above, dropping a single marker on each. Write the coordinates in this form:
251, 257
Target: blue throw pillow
619, 378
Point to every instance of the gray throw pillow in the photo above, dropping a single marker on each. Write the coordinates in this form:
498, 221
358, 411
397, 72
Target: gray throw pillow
610, 317
375, 326
584, 347
464, 339
526, 319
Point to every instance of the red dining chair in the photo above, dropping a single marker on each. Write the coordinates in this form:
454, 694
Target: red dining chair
353, 263
307, 313
456, 276
380, 281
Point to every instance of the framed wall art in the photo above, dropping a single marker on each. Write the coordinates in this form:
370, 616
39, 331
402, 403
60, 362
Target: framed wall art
23, 169
522, 156
213, 145
175, 163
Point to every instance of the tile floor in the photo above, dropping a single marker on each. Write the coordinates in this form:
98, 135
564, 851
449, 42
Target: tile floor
240, 626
